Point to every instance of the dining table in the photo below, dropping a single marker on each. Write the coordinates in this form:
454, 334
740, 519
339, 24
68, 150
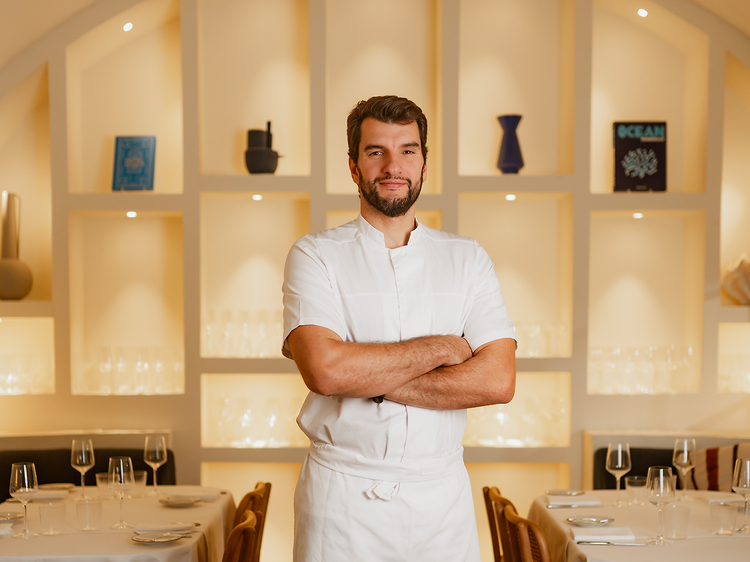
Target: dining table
201, 516
565, 527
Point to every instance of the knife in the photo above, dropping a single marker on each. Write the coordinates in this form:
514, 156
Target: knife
608, 543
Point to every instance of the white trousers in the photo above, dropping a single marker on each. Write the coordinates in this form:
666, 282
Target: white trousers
336, 521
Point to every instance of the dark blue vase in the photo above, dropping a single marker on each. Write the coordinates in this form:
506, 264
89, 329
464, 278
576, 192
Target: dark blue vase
510, 159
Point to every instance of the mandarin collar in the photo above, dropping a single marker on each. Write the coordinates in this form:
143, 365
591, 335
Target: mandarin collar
376, 236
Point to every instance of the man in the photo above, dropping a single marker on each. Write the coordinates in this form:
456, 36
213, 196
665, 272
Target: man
396, 328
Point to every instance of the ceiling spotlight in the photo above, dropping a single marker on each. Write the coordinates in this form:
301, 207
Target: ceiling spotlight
257, 197
127, 27
510, 197
637, 215
643, 13
131, 214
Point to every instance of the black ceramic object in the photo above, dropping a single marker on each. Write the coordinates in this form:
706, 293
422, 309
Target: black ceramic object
510, 159
260, 158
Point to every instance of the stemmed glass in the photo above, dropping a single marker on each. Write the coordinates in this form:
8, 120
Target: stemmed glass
683, 458
23, 487
659, 492
741, 485
82, 459
618, 464
155, 455
120, 480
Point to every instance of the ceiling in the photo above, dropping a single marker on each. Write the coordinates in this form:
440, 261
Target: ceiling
24, 21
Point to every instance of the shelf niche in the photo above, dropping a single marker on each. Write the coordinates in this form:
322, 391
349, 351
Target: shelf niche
126, 84
371, 53
538, 415
529, 69
253, 65
649, 69
646, 302
735, 186
242, 269
536, 277
25, 171
27, 356
126, 303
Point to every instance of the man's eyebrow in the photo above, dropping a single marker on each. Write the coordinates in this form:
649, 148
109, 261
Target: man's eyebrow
413, 144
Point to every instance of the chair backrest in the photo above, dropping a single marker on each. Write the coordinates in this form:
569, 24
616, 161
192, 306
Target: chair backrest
714, 467
243, 544
257, 501
527, 542
495, 504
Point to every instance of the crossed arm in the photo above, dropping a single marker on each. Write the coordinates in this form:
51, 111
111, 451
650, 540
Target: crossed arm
437, 372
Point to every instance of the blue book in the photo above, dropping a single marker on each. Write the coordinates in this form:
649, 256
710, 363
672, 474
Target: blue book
134, 164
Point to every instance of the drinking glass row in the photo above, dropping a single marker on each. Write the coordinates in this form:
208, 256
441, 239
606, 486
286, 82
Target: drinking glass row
649, 369
242, 333
26, 373
734, 372
120, 369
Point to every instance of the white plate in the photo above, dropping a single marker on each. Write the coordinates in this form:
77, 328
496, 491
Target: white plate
178, 502
8, 516
155, 538
564, 492
58, 486
589, 521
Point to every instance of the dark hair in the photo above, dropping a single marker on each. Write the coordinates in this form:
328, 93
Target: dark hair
386, 109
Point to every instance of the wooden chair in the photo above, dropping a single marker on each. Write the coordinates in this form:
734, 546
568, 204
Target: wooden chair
243, 544
495, 504
256, 501
527, 542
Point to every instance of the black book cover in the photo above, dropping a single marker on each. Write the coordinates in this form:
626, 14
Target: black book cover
640, 156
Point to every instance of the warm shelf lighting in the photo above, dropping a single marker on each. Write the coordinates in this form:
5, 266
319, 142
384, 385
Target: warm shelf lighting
510, 197
257, 197
127, 27
637, 215
643, 13
131, 214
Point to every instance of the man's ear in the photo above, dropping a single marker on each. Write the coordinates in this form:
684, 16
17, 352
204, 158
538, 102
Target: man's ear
354, 171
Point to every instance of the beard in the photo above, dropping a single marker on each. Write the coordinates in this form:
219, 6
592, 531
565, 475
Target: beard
390, 207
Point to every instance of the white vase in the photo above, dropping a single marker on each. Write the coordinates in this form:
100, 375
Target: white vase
15, 276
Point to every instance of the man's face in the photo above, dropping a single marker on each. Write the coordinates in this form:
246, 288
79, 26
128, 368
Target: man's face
391, 169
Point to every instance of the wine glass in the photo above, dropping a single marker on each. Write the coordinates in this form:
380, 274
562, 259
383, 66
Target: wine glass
155, 455
659, 492
683, 458
23, 487
741, 485
120, 480
618, 464
82, 459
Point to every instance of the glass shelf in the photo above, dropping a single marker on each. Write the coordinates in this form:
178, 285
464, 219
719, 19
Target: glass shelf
735, 188
253, 68
126, 302
27, 351
121, 84
398, 55
536, 276
25, 171
734, 358
242, 269
526, 69
252, 411
538, 415
646, 302
649, 69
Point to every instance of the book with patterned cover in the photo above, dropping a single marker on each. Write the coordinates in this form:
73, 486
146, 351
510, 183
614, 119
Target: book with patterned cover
640, 156
134, 164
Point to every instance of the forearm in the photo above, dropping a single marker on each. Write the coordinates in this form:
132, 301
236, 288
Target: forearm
487, 378
330, 366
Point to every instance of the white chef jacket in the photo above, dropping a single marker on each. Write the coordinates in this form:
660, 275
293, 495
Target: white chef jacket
386, 481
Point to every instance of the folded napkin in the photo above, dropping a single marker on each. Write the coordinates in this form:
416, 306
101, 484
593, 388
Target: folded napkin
585, 499
729, 498
619, 534
6, 528
181, 528
43, 495
196, 492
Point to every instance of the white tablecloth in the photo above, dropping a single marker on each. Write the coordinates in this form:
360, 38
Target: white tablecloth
206, 544
700, 546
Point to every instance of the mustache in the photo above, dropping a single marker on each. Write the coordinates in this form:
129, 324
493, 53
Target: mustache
388, 178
